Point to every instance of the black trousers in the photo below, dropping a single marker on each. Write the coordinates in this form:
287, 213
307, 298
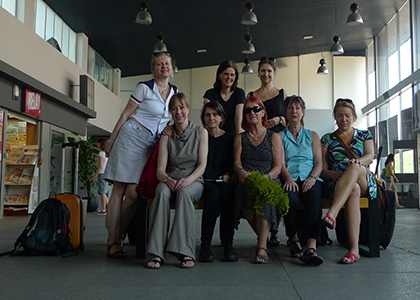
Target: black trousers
312, 200
218, 200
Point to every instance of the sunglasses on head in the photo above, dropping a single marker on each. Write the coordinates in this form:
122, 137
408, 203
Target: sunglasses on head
255, 109
265, 58
346, 100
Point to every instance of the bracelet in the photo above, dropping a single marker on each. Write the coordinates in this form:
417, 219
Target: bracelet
312, 175
239, 170
109, 142
268, 176
166, 179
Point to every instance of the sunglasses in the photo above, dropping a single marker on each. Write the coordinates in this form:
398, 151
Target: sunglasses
265, 58
255, 109
346, 100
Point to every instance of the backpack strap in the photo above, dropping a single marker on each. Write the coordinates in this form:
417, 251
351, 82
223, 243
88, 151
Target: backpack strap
61, 226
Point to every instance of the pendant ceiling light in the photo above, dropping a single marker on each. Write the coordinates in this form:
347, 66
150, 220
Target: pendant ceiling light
322, 70
248, 47
337, 49
247, 69
354, 19
175, 69
160, 45
144, 17
249, 17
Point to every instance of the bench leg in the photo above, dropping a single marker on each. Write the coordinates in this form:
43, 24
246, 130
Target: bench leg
373, 229
141, 227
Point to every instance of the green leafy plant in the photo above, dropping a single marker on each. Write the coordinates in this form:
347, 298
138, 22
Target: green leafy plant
263, 192
88, 161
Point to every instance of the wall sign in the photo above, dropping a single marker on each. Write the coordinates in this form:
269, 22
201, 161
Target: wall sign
32, 103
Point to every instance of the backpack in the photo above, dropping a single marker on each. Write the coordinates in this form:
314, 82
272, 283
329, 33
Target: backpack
47, 232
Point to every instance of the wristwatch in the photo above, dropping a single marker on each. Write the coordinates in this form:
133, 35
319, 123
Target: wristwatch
166, 179
312, 175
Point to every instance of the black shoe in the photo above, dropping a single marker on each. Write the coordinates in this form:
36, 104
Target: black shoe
205, 254
230, 254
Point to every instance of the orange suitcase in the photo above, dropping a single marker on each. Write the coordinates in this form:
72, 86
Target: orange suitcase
76, 224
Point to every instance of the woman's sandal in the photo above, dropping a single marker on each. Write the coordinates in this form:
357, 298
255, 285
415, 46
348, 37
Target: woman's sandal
328, 221
295, 249
119, 254
259, 258
154, 263
349, 258
311, 257
187, 263
274, 241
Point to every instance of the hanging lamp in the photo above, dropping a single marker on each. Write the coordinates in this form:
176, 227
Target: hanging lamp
249, 17
144, 17
322, 70
248, 47
247, 69
354, 19
160, 45
337, 49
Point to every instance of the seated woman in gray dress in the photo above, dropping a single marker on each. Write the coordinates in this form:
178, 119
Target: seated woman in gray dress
256, 149
181, 164
303, 165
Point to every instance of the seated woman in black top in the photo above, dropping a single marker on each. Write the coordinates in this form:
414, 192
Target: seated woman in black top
225, 91
217, 194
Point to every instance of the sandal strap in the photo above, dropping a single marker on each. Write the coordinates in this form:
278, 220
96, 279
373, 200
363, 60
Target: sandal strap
262, 248
307, 251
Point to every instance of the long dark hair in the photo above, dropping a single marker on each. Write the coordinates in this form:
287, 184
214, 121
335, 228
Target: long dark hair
389, 159
223, 66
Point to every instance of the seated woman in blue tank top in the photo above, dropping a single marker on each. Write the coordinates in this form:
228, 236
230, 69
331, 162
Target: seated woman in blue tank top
303, 165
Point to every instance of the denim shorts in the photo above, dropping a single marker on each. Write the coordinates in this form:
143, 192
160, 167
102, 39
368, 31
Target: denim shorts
101, 182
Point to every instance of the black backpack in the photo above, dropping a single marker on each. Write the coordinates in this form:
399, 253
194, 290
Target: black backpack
47, 232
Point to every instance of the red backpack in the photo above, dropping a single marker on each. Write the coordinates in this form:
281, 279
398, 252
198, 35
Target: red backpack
148, 180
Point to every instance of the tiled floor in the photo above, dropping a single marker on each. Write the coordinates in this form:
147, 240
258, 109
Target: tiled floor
91, 275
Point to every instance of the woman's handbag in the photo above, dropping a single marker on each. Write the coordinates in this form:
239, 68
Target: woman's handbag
148, 180
381, 194
383, 173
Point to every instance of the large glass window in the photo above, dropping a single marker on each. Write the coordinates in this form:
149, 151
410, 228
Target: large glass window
40, 20
9, 5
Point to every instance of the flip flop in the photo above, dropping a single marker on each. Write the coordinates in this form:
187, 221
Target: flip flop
185, 261
157, 264
353, 258
311, 257
331, 224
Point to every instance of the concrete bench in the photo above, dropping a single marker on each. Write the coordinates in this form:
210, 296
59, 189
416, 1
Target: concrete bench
371, 205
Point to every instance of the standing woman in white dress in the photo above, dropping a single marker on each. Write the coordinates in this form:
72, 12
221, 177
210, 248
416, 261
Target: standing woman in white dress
130, 145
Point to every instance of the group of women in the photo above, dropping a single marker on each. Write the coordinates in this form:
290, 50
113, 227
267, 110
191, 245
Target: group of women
264, 133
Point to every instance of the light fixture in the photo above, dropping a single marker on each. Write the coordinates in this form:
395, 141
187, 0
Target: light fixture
160, 45
322, 70
248, 47
249, 17
354, 18
144, 17
247, 69
337, 49
175, 69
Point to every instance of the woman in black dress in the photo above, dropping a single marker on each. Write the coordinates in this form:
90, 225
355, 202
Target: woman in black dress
273, 100
218, 193
225, 91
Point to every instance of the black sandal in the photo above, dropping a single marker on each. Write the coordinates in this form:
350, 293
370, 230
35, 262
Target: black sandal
119, 254
311, 257
295, 249
274, 241
259, 258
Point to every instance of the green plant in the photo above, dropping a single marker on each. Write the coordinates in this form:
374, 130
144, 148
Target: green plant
263, 192
88, 161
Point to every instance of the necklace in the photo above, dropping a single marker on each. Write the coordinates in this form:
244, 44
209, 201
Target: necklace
256, 136
162, 91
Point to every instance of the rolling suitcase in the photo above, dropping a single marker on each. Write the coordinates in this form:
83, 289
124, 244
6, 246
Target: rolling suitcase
76, 223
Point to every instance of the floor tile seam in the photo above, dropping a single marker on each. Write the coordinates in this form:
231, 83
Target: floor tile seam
405, 250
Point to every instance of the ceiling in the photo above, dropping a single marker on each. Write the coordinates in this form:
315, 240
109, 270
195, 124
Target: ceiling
190, 25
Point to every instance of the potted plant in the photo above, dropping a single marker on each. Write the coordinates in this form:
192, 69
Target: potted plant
88, 164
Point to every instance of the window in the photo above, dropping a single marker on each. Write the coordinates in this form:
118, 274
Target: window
9, 5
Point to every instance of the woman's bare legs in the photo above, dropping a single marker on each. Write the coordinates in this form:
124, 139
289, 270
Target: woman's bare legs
261, 227
393, 186
352, 217
114, 214
345, 185
128, 208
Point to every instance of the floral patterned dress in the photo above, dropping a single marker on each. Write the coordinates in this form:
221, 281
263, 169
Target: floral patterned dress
338, 160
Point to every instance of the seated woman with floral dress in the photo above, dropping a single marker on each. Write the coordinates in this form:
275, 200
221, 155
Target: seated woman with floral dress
256, 149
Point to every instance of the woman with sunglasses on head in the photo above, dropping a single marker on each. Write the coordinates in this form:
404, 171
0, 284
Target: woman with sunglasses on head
256, 149
218, 194
349, 178
273, 100
225, 91
303, 165
181, 163
131, 143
